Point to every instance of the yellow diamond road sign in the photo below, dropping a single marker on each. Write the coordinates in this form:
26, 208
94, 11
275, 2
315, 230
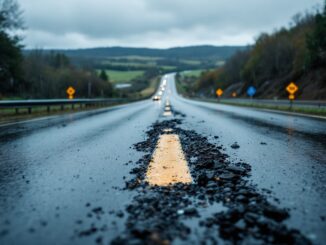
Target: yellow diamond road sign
292, 88
219, 92
71, 91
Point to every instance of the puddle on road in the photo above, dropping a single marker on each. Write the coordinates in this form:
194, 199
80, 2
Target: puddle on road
168, 164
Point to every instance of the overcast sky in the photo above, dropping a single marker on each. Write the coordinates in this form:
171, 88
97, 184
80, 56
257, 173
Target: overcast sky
153, 23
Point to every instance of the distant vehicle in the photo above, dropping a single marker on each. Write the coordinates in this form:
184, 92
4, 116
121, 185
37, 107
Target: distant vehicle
156, 98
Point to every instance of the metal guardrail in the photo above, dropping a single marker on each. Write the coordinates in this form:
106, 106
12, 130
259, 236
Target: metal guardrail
29, 104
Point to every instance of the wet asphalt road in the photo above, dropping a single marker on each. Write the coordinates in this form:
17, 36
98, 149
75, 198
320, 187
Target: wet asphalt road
54, 170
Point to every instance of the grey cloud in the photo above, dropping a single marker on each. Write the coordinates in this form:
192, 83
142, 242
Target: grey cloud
53, 23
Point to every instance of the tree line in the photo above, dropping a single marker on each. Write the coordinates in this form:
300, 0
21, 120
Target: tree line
49, 75
39, 74
288, 54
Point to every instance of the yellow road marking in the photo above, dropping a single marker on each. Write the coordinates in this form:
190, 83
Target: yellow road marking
168, 165
167, 111
167, 108
167, 130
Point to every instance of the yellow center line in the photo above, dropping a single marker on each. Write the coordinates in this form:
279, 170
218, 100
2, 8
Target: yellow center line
167, 130
168, 165
167, 111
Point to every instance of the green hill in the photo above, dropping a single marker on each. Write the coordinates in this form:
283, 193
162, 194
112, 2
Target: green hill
191, 52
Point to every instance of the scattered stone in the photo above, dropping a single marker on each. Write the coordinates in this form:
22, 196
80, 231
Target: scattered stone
98, 210
240, 225
202, 179
43, 223
120, 214
236, 169
99, 240
92, 230
190, 211
4, 232
235, 145
79, 222
227, 176
276, 213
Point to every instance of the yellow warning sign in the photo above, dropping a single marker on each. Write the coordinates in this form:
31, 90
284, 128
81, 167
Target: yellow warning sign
292, 88
219, 92
71, 92
291, 97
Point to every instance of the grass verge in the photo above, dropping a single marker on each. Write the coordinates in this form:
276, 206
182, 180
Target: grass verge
303, 110
10, 115
149, 91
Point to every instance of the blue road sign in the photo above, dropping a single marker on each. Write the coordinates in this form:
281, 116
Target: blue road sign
251, 91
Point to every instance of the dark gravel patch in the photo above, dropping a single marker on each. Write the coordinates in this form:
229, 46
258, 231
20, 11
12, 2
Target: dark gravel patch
157, 215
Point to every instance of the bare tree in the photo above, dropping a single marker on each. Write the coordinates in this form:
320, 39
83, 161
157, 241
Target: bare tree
10, 16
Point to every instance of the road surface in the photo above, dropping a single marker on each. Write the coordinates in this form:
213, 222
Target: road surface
79, 178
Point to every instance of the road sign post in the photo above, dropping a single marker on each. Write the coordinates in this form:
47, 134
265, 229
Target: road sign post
219, 93
292, 88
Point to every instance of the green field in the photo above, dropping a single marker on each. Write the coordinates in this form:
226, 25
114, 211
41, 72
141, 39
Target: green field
191, 62
131, 64
220, 63
123, 76
193, 73
135, 57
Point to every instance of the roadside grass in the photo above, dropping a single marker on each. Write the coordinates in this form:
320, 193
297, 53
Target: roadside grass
180, 88
9, 115
153, 85
304, 110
